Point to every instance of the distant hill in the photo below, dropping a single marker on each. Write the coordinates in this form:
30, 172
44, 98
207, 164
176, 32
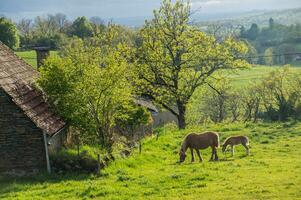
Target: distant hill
260, 17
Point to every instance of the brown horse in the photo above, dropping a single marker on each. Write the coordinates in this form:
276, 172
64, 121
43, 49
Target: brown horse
196, 142
236, 140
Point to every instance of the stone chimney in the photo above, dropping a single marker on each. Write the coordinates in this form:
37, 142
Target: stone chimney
42, 54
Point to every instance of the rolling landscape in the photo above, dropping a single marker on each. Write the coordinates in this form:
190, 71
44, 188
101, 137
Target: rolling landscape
260, 17
92, 108
270, 172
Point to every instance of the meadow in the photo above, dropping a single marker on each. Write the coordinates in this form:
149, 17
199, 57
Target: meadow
91, 94
239, 78
255, 73
270, 172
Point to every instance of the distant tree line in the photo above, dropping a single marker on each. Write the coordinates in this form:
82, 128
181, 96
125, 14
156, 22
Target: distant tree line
275, 98
276, 39
50, 30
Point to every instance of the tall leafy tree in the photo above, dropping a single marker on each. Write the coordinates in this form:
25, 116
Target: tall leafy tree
9, 33
81, 27
25, 29
46, 26
61, 21
175, 58
253, 32
252, 55
97, 24
271, 23
89, 88
268, 56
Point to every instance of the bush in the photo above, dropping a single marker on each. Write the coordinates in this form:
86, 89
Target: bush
54, 42
69, 161
281, 94
9, 33
276, 98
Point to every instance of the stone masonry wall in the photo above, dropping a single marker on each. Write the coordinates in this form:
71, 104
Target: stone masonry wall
21, 142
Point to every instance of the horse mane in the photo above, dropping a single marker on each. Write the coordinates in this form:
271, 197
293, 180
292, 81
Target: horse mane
226, 140
240, 136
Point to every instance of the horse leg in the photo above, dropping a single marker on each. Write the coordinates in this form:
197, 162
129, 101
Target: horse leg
212, 154
232, 150
199, 154
215, 154
192, 156
247, 148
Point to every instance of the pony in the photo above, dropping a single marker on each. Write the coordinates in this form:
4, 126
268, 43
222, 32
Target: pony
195, 141
236, 140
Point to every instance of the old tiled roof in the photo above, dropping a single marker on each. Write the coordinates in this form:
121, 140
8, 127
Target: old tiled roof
146, 103
16, 79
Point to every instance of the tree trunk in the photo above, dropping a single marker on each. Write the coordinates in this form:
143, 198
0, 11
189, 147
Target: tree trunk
101, 136
221, 111
249, 113
181, 116
256, 112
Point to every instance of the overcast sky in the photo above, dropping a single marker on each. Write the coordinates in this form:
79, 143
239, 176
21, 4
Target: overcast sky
112, 9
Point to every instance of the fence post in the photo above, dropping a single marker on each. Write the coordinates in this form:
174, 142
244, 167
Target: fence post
140, 147
143, 134
98, 163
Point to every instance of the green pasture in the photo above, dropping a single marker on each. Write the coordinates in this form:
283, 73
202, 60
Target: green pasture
272, 171
239, 78
253, 74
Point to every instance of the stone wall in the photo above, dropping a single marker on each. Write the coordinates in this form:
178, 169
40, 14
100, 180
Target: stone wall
21, 142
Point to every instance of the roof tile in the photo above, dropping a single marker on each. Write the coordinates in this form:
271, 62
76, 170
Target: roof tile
16, 79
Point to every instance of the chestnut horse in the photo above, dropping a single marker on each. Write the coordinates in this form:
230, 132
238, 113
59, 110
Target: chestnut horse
196, 142
236, 140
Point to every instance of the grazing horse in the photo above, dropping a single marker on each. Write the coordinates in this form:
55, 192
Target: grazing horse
236, 140
196, 142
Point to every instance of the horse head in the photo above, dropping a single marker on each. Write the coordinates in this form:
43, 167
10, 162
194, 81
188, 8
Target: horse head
224, 147
182, 155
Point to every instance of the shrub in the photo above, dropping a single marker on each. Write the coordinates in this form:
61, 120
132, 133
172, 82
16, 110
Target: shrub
69, 161
9, 33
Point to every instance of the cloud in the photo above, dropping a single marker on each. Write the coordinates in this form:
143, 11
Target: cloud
208, 2
17, 9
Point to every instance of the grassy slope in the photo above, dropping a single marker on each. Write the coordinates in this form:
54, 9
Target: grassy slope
246, 76
271, 172
242, 77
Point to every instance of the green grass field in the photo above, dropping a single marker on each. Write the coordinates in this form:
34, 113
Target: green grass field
30, 56
239, 78
243, 77
272, 171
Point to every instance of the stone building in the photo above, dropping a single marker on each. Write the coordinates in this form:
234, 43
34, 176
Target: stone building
160, 117
29, 130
